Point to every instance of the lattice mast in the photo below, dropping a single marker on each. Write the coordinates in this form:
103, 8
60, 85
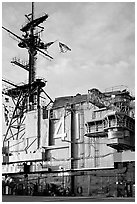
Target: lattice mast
27, 97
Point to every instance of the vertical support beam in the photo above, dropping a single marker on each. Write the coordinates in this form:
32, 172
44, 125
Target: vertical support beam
96, 152
89, 184
82, 132
72, 147
39, 116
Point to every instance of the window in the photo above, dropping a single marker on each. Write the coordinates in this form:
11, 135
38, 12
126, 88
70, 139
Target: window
93, 115
45, 113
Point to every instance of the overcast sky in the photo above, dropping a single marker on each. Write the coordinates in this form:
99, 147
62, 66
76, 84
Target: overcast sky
101, 36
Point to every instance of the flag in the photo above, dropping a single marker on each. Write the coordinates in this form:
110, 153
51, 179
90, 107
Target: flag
48, 44
63, 48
